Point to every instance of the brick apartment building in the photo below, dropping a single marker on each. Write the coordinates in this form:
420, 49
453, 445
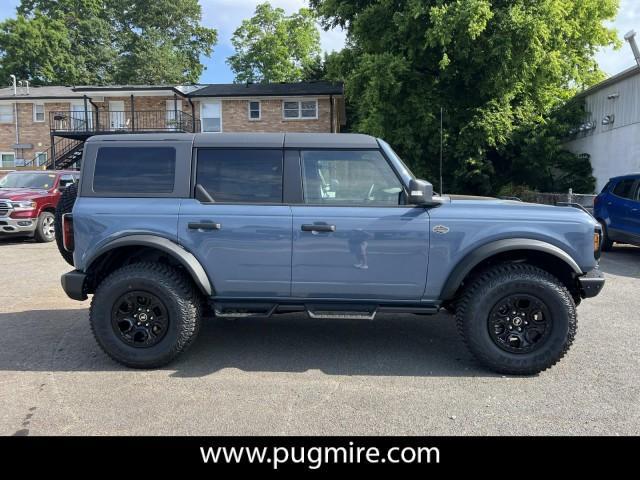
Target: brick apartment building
46, 127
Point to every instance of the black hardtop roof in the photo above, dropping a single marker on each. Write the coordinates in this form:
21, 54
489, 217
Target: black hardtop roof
251, 140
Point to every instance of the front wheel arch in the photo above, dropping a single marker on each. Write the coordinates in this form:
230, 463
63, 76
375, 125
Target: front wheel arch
544, 255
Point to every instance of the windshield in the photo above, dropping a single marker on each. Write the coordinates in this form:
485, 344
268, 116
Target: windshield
403, 170
42, 181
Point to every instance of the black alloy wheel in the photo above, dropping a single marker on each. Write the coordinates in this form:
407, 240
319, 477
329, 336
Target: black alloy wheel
140, 319
519, 323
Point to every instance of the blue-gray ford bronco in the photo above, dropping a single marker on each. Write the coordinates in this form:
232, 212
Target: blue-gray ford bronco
164, 229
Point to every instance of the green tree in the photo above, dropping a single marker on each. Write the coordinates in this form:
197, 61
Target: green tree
160, 41
498, 68
64, 42
105, 41
274, 47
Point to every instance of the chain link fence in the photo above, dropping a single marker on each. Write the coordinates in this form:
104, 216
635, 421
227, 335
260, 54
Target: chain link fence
586, 200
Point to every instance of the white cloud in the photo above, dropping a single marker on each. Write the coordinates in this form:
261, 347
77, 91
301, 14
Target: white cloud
227, 15
614, 61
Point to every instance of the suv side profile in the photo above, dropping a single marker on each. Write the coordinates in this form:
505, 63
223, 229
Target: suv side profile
617, 208
165, 227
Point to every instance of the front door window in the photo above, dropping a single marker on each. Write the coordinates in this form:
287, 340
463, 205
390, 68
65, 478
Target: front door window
349, 178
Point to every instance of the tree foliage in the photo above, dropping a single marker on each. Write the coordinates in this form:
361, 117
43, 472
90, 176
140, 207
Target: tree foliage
105, 41
498, 68
274, 47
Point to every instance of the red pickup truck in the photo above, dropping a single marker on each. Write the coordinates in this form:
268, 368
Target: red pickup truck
28, 202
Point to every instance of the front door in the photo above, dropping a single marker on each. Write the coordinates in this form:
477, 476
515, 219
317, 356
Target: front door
117, 115
243, 236
172, 116
352, 238
81, 119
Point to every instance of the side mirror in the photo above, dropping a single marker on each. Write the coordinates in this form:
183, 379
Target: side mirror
420, 192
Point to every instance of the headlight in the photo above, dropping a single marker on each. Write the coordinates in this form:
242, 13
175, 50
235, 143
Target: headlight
23, 206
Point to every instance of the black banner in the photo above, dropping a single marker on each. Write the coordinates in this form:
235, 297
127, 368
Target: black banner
323, 454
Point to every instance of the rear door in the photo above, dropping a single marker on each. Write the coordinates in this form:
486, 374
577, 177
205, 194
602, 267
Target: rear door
619, 206
242, 237
352, 238
634, 212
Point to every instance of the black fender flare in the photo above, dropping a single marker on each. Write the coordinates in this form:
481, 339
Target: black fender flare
474, 258
177, 252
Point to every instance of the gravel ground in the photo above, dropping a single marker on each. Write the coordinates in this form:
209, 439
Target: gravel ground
399, 375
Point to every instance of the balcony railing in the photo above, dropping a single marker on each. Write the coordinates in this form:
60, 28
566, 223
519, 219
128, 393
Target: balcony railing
93, 122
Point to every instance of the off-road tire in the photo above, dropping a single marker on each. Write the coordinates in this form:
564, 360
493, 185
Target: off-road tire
494, 284
42, 224
65, 205
178, 293
607, 243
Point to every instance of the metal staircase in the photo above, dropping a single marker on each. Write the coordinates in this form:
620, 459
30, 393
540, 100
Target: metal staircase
65, 153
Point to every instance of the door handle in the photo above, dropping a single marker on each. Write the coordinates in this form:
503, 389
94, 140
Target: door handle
322, 227
204, 226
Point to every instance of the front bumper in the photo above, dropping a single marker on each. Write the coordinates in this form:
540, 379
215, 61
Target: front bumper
73, 284
591, 283
17, 226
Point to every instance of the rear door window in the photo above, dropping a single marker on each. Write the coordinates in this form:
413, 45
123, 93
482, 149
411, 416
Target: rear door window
624, 188
135, 170
241, 175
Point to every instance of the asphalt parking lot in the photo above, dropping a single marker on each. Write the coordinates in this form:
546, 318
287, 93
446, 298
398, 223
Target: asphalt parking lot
292, 375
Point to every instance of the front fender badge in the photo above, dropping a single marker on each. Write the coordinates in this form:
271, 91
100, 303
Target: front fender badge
441, 229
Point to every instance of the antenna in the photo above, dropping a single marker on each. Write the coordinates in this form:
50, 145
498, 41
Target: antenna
441, 143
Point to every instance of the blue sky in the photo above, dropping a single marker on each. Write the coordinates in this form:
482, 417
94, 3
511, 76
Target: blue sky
226, 15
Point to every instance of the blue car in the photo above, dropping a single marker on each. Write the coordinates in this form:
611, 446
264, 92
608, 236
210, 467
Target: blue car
617, 208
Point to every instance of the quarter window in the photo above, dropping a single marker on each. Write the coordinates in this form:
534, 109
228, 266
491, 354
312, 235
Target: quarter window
302, 109
254, 110
349, 177
241, 176
38, 112
6, 113
135, 170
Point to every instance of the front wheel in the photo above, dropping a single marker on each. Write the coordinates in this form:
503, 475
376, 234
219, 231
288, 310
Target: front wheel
45, 228
145, 314
517, 319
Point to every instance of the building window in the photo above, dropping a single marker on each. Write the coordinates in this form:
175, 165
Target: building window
300, 109
6, 113
38, 112
8, 160
41, 158
254, 110
211, 116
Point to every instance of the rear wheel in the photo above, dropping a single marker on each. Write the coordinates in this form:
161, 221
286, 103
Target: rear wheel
517, 319
144, 315
45, 228
607, 243
65, 205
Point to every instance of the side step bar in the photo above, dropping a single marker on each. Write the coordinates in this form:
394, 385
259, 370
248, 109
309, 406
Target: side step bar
316, 311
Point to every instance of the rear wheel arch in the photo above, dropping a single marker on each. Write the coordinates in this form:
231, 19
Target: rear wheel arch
541, 254
145, 248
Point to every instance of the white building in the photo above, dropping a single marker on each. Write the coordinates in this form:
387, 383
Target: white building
611, 132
